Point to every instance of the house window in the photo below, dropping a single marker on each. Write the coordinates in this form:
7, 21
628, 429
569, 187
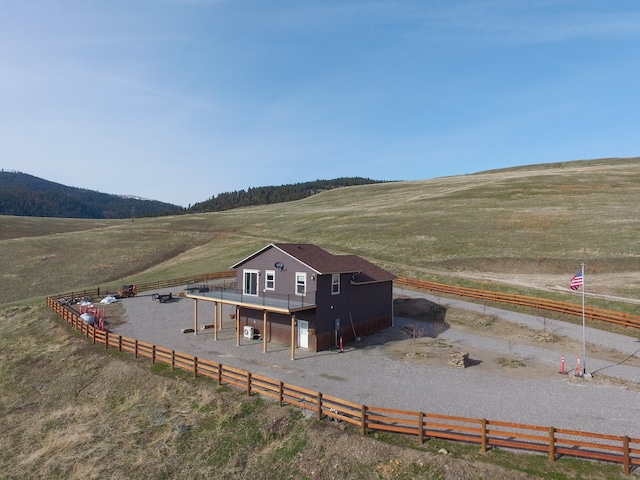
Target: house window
250, 286
270, 280
301, 283
335, 284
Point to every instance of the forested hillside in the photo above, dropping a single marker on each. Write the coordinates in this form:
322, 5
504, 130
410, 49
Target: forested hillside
25, 195
269, 195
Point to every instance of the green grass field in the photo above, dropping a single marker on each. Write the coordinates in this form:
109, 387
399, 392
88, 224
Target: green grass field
70, 410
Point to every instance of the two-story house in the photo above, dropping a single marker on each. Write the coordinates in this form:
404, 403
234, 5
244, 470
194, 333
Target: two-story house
303, 296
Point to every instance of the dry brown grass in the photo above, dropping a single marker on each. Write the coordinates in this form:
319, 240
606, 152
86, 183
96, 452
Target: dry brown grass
552, 217
70, 410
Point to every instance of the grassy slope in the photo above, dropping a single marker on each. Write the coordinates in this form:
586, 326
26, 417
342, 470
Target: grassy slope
549, 217
69, 410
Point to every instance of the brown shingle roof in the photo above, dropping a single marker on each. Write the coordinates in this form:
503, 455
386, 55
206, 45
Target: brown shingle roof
326, 263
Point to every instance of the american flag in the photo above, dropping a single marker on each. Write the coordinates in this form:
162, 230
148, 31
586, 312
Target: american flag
576, 281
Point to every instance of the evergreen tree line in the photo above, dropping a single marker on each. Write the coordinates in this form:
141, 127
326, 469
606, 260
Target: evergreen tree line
274, 194
26, 195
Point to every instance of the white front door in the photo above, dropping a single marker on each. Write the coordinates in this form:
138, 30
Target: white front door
303, 333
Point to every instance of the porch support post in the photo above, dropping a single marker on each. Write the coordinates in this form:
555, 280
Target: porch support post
264, 332
215, 320
237, 326
293, 336
195, 316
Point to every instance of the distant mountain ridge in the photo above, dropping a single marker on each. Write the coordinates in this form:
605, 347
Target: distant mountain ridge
25, 195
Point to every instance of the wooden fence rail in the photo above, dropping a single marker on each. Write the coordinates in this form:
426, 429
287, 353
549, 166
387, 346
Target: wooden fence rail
593, 313
487, 433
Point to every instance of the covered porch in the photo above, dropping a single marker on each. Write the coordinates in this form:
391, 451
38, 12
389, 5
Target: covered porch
287, 305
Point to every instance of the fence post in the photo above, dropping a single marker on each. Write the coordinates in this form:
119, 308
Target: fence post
195, 367
219, 374
106, 339
627, 460
119, 343
484, 435
363, 420
552, 444
135, 348
93, 335
319, 406
173, 360
280, 393
248, 384
153, 354
421, 427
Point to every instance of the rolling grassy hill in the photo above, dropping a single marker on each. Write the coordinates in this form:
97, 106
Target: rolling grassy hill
530, 227
70, 410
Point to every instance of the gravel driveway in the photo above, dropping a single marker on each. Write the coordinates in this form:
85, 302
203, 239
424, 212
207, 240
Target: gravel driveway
364, 374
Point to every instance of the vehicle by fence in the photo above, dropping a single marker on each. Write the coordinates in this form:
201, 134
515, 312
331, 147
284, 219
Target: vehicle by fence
486, 433
592, 313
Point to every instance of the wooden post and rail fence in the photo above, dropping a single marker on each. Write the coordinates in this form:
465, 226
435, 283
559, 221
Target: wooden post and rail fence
592, 313
487, 434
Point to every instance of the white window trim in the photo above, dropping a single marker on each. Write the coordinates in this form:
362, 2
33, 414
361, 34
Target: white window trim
244, 281
334, 283
304, 283
268, 273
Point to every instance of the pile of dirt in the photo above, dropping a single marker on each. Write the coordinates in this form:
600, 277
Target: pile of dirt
418, 308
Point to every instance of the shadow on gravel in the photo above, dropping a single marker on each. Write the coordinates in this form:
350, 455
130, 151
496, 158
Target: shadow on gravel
472, 362
619, 363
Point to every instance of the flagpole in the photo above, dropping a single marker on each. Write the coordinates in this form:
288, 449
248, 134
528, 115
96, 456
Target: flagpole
584, 345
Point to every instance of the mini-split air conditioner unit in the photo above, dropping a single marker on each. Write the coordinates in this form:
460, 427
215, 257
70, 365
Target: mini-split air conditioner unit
248, 332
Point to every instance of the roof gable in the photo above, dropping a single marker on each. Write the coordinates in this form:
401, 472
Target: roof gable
325, 263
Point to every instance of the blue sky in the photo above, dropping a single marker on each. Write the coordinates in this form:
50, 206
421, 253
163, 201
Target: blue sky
179, 100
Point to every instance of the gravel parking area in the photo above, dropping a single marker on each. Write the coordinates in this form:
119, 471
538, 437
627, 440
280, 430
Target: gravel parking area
365, 373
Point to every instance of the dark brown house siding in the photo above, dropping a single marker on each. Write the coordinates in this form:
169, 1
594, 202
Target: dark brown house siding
360, 309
